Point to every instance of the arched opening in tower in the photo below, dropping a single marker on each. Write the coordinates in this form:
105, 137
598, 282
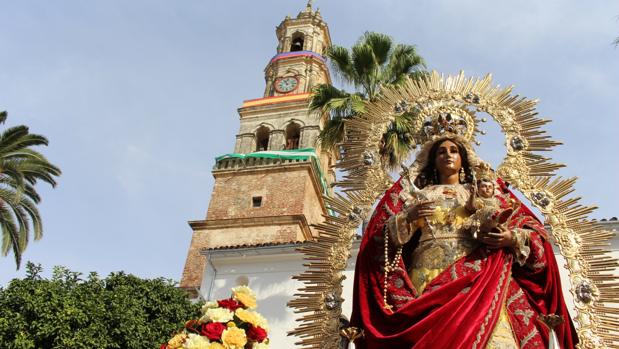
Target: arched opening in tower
293, 135
297, 42
262, 139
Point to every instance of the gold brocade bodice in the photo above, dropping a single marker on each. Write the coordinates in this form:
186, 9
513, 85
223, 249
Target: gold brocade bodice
443, 236
445, 239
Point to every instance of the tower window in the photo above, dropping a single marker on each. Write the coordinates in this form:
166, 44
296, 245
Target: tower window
297, 42
293, 135
256, 201
262, 139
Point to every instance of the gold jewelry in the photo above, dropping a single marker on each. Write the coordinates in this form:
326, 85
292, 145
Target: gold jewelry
389, 266
461, 175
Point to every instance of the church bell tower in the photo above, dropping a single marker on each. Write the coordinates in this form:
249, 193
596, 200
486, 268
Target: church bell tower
269, 190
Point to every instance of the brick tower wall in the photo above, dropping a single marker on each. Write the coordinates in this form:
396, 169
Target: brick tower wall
291, 201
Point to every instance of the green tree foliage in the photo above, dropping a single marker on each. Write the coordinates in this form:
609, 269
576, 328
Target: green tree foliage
20, 169
373, 62
66, 311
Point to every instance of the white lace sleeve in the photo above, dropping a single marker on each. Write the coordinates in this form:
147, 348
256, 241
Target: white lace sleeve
400, 231
521, 250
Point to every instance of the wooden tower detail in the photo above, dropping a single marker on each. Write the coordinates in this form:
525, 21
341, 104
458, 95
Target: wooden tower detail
269, 191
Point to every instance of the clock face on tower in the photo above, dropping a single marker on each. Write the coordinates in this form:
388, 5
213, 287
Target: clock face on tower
286, 84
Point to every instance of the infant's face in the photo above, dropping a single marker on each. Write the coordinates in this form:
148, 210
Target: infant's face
485, 189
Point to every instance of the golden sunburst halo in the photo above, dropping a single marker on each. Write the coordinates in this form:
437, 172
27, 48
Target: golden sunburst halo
582, 242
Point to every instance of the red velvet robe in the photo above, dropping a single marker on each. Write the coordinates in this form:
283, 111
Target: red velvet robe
461, 306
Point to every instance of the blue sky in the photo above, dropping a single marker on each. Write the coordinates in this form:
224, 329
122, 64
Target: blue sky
138, 97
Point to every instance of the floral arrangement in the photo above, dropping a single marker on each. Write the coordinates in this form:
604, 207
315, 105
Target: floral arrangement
225, 324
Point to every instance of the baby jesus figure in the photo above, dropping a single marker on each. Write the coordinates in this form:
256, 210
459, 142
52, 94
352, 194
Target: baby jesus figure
485, 208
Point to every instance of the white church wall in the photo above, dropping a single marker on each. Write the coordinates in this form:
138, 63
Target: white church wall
268, 272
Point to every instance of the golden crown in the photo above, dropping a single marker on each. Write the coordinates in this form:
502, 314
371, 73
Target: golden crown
439, 119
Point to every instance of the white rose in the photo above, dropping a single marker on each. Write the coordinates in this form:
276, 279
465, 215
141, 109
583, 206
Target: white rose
195, 341
218, 315
209, 305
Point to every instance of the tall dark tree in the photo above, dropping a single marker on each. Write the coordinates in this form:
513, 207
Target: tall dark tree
373, 62
20, 168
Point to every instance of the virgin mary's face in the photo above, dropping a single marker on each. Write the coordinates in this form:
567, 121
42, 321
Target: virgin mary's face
448, 160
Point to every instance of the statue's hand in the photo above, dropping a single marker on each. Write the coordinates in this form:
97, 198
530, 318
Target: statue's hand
470, 204
498, 237
423, 209
473, 190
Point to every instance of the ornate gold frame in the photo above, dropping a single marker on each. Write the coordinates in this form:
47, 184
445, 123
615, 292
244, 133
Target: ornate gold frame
583, 243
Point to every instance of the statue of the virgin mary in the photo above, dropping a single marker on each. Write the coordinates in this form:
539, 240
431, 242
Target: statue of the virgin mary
452, 259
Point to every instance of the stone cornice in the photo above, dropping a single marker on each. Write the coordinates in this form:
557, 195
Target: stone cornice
209, 224
274, 108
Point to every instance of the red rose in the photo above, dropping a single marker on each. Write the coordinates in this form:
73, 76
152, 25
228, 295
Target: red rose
256, 334
192, 326
229, 304
213, 330
163, 346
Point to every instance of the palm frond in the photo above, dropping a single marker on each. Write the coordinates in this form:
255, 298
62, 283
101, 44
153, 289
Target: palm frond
397, 141
341, 62
328, 99
3, 115
23, 153
10, 136
332, 133
403, 61
366, 69
27, 189
357, 103
10, 233
39, 170
380, 45
322, 94
31, 209
28, 140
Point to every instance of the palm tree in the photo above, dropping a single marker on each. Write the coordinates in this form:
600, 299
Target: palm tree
20, 168
373, 62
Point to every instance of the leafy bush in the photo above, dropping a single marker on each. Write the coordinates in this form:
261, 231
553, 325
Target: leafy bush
66, 311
